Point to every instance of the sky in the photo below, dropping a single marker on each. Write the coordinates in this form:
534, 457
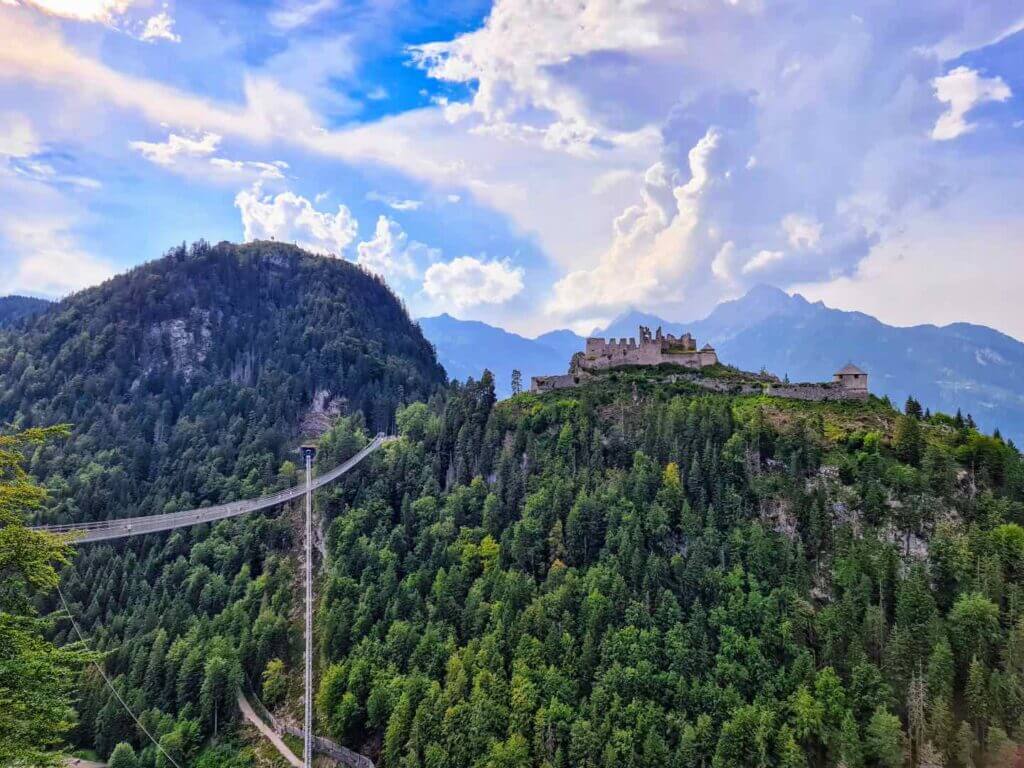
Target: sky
534, 164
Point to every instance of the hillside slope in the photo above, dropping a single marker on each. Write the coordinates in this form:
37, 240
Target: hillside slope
638, 573
955, 367
191, 380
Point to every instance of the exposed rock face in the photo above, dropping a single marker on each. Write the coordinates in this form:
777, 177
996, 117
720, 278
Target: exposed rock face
322, 412
184, 342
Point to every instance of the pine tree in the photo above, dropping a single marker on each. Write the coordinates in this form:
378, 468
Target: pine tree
976, 695
123, 756
36, 677
908, 442
913, 408
851, 752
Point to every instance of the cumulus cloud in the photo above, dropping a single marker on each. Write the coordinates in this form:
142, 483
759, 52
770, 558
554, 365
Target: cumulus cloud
961, 90
651, 241
511, 59
467, 282
168, 152
112, 13
292, 218
160, 27
391, 254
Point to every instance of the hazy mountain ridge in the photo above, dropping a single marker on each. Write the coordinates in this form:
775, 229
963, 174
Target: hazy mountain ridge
466, 347
959, 366
14, 309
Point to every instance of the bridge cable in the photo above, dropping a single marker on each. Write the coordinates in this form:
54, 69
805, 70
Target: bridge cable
110, 685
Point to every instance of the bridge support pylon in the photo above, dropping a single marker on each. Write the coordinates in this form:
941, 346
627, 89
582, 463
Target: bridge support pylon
308, 452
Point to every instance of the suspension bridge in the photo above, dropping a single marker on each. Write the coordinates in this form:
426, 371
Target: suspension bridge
105, 530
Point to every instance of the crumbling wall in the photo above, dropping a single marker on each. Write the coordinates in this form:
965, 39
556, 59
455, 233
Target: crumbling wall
815, 392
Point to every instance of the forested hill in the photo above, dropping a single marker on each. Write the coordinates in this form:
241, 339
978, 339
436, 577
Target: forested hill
187, 379
635, 573
191, 380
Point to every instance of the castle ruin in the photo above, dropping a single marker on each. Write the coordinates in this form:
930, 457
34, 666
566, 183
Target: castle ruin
654, 349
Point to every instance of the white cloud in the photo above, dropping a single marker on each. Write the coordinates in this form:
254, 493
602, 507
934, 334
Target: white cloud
50, 262
37, 53
394, 203
802, 231
961, 90
391, 254
297, 13
958, 262
112, 13
250, 168
316, 68
192, 156
591, 76
45, 173
176, 147
292, 218
17, 136
467, 282
652, 246
160, 27
511, 58
103, 11
762, 260
721, 265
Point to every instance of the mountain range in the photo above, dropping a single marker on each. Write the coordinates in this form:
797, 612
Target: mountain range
960, 366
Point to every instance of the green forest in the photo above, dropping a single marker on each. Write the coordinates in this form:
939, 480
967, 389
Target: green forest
185, 382
637, 575
632, 573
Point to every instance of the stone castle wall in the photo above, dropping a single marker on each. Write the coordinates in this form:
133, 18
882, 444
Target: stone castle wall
816, 392
652, 349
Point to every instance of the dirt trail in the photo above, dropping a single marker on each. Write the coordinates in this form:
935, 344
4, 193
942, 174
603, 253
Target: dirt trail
252, 717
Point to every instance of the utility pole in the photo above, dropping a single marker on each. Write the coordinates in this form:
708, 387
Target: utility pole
308, 452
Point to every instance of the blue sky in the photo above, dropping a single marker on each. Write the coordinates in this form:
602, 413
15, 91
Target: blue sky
531, 163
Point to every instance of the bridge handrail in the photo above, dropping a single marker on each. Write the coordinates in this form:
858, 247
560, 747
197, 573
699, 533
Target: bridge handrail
152, 523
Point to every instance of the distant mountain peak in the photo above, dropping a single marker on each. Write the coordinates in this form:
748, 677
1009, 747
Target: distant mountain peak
763, 291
